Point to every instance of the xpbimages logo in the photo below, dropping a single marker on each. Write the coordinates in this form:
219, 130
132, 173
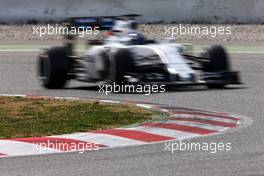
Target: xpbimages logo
63, 30
212, 147
79, 147
131, 88
212, 31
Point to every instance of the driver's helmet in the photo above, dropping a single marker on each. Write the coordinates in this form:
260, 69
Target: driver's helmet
136, 38
134, 25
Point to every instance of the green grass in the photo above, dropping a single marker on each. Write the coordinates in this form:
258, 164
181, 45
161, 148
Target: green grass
21, 117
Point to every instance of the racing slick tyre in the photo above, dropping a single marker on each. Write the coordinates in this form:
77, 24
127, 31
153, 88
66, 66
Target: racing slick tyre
218, 61
102, 65
121, 63
53, 66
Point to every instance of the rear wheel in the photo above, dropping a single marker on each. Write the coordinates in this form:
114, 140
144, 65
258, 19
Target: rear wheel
53, 68
218, 61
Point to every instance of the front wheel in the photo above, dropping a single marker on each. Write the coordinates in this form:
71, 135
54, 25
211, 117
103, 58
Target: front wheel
218, 61
53, 68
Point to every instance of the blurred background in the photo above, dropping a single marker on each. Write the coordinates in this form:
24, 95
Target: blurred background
191, 11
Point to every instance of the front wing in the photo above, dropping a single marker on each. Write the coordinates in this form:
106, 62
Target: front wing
224, 77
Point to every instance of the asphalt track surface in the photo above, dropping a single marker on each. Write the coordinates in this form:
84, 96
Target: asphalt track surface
17, 75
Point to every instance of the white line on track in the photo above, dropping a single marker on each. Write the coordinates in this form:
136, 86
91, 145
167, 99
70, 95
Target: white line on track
205, 117
103, 139
16, 148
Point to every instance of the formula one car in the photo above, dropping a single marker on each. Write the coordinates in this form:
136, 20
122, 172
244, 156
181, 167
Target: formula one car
126, 56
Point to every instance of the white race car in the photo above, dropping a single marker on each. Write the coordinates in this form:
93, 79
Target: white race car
126, 56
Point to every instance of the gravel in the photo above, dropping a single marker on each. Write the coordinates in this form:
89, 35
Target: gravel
247, 33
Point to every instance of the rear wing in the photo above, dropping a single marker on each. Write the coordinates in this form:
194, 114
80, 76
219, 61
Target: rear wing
102, 23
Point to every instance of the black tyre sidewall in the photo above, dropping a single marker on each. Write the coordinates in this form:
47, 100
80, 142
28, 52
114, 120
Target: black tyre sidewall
218, 59
218, 62
122, 63
55, 68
